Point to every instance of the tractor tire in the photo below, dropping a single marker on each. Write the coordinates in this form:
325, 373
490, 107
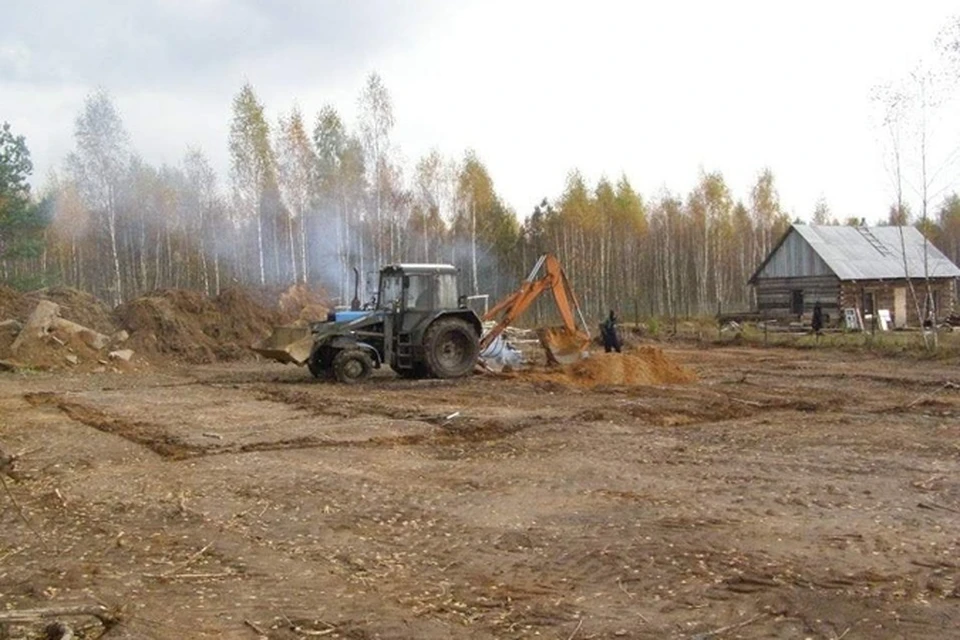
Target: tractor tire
352, 365
451, 348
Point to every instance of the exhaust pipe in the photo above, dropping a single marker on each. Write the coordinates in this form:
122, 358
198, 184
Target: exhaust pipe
355, 303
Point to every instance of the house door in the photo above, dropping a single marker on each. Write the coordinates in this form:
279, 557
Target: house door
900, 307
796, 302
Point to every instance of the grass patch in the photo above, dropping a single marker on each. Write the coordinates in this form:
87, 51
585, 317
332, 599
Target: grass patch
704, 330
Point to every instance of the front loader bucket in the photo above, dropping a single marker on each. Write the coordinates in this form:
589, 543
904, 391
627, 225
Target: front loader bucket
563, 346
287, 344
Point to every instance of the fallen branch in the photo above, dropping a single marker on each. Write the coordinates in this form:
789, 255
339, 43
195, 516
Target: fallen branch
186, 563
98, 611
927, 396
255, 628
933, 505
731, 627
579, 624
187, 576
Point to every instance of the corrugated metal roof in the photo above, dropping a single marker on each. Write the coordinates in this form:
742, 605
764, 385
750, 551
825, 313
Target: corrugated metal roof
875, 253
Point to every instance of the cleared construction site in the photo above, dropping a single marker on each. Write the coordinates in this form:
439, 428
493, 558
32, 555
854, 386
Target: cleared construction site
164, 480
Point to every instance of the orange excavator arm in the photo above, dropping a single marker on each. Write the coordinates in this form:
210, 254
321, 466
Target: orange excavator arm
513, 306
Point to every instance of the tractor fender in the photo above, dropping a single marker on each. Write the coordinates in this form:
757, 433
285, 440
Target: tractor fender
465, 314
348, 342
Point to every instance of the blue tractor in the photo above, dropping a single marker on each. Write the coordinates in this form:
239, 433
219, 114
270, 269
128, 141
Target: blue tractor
419, 326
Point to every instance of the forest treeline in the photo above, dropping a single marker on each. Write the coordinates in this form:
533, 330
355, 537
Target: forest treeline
309, 199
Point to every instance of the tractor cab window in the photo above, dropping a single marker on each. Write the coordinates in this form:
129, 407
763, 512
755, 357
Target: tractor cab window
391, 291
420, 292
447, 297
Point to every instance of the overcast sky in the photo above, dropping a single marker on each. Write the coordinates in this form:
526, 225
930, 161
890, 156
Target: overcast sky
654, 90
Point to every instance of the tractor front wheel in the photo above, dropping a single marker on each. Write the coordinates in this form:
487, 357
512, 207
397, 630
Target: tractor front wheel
451, 348
352, 365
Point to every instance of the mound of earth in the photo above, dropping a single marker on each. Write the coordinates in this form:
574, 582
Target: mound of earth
12, 304
176, 323
44, 339
642, 366
194, 328
645, 365
300, 305
76, 306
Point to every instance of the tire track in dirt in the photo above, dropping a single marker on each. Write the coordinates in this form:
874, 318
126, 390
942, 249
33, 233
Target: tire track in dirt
155, 438
142, 433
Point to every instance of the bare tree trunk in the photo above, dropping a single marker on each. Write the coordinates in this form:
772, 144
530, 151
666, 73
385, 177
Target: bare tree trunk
263, 276
216, 272
118, 293
473, 246
304, 261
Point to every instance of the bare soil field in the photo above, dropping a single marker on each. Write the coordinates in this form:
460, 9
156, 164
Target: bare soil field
782, 494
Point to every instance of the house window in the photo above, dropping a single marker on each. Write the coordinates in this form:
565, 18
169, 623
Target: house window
796, 302
868, 302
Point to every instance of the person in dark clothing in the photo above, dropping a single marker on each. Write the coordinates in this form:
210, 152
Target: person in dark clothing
608, 330
817, 321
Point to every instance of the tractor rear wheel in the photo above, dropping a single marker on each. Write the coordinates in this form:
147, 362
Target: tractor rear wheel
352, 365
451, 347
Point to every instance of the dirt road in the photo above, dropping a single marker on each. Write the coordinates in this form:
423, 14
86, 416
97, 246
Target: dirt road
786, 494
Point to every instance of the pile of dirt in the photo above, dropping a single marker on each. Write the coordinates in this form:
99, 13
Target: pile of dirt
12, 304
172, 323
46, 338
75, 306
645, 365
642, 366
60, 350
194, 328
300, 305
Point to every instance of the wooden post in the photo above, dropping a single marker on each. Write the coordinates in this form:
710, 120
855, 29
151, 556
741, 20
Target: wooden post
719, 321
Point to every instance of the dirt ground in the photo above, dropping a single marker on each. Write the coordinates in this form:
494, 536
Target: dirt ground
783, 494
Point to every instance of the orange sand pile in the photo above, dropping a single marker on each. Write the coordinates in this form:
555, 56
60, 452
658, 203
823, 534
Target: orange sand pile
644, 365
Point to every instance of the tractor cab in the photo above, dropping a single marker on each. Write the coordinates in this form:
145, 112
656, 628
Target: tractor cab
416, 292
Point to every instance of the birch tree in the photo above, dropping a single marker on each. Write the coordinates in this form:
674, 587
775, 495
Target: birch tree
433, 199
296, 164
98, 166
376, 123
252, 165
202, 198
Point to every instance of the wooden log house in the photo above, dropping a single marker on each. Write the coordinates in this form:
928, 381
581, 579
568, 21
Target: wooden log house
861, 268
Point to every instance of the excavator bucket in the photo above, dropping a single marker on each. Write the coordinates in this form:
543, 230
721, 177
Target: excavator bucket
287, 344
563, 346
